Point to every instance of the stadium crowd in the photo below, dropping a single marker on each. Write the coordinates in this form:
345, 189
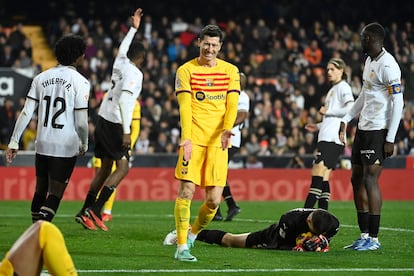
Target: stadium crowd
284, 60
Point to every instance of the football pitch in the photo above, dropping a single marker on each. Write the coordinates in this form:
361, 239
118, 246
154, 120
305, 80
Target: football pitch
133, 243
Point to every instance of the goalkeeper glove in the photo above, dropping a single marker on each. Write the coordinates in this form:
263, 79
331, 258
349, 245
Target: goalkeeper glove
316, 243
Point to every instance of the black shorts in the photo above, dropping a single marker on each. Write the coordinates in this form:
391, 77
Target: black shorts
368, 147
232, 152
57, 168
328, 152
266, 238
108, 138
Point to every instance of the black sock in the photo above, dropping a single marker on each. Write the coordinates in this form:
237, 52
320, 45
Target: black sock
105, 194
211, 236
90, 199
314, 191
218, 213
37, 202
363, 222
48, 210
325, 195
228, 197
374, 223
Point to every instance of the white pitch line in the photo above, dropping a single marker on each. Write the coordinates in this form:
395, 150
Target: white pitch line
236, 219
365, 269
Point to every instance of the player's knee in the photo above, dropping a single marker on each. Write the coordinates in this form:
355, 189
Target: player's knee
227, 240
213, 204
124, 171
186, 190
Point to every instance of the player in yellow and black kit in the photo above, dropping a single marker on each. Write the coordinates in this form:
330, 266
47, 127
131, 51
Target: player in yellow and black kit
207, 90
42, 244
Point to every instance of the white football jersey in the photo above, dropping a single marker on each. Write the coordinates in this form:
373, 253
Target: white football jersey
379, 76
244, 104
126, 77
58, 91
338, 96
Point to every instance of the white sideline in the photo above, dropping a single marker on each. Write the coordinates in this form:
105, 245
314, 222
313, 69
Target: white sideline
250, 270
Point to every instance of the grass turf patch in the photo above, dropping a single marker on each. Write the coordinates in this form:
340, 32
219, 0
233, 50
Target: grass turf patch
133, 243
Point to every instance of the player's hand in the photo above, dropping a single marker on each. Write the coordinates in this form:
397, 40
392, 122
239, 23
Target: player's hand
322, 110
10, 155
388, 149
341, 132
136, 18
311, 127
82, 149
226, 139
316, 243
126, 141
187, 149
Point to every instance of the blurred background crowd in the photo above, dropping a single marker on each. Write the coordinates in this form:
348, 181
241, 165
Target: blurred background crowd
282, 47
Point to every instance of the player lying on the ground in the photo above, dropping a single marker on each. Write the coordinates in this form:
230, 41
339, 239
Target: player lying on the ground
298, 229
42, 244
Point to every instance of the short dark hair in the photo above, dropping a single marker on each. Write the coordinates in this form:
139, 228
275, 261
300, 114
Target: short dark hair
376, 30
323, 221
212, 31
69, 48
136, 49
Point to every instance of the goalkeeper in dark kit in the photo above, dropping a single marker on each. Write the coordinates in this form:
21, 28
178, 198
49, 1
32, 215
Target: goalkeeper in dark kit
298, 229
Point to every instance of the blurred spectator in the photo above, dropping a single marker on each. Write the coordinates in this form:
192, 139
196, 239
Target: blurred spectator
298, 98
310, 143
29, 136
7, 120
401, 148
409, 83
271, 52
264, 149
253, 163
143, 143
174, 48
409, 142
8, 56
16, 39
296, 162
268, 68
24, 60
161, 143
151, 109
252, 144
91, 49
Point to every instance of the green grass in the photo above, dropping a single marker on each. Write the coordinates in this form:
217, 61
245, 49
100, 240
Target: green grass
133, 243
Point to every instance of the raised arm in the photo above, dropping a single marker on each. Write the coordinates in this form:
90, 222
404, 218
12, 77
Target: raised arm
136, 21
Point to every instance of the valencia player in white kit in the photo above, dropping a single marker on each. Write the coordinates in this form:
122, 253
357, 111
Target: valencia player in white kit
338, 101
60, 95
113, 126
379, 109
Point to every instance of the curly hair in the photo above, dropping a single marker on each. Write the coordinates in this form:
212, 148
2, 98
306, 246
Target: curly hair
69, 48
